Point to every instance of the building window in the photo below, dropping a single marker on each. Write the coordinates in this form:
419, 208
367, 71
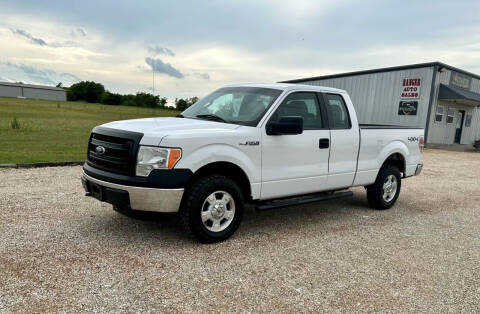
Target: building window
468, 120
450, 115
439, 114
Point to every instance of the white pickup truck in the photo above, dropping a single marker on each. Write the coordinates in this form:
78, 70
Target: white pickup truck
272, 145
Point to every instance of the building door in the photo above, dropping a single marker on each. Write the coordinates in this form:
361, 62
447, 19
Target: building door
459, 126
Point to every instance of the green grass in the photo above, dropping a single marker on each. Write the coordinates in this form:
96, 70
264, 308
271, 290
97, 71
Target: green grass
54, 130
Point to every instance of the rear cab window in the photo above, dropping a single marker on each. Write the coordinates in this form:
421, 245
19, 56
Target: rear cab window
337, 112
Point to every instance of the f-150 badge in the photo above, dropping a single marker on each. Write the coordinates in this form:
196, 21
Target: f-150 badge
251, 143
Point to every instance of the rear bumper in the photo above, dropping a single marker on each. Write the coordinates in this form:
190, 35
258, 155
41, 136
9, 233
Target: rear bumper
419, 169
137, 198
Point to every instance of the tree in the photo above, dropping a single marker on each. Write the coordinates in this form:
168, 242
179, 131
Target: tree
163, 102
86, 90
147, 100
182, 104
112, 99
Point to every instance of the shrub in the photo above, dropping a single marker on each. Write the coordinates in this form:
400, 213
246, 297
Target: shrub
15, 124
476, 144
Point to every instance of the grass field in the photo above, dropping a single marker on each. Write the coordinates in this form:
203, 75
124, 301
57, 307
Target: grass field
56, 131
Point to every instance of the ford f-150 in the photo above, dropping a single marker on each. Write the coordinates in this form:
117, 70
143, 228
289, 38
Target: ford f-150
271, 145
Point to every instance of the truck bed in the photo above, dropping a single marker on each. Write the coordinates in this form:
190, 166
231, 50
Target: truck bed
382, 126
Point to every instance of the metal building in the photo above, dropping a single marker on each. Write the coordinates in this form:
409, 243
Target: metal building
32, 91
438, 97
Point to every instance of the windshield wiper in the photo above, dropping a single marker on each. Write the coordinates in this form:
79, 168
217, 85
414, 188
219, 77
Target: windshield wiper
211, 116
179, 115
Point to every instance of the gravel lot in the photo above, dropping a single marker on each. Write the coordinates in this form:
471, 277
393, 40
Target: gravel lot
61, 251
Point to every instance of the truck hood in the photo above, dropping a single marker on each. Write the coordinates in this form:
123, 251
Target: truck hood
154, 129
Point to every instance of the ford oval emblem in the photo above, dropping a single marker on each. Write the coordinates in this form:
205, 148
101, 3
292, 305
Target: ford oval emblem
100, 150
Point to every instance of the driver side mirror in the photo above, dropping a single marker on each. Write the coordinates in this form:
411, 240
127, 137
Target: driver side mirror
285, 126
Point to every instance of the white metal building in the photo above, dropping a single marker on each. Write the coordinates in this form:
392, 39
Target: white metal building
32, 91
438, 97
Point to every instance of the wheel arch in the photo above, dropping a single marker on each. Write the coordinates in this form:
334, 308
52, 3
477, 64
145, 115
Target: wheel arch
227, 169
398, 160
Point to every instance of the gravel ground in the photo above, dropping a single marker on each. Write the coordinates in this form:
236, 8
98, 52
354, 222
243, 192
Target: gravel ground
61, 251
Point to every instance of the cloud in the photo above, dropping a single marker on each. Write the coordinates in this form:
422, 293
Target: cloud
240, 44
79, 32
159, 66
36, 41
15, 72
157, 50
204, 76
41, 42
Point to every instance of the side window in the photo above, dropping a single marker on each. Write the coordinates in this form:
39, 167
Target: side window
304, 105
439, 114
450, 115
468, 120
338, 111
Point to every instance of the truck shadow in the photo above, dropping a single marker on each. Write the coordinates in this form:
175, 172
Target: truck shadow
165, 228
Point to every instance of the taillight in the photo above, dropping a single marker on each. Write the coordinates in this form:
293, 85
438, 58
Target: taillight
421, 143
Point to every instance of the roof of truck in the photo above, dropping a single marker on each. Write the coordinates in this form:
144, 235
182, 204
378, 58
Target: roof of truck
287, 86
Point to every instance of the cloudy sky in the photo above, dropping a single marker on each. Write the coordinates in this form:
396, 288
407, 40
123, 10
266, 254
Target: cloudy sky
197, 46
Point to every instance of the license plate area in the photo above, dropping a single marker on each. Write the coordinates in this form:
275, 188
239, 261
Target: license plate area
96, 191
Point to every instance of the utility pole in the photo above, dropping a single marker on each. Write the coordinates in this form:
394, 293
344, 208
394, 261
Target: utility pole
153, 81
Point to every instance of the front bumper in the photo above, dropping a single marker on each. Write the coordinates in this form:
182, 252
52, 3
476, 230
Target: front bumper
137, 198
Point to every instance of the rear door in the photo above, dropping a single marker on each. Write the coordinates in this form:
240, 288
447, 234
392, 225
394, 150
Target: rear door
344, 138
296, 164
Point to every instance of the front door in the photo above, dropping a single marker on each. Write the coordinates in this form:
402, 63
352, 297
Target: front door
459, 126
296, 164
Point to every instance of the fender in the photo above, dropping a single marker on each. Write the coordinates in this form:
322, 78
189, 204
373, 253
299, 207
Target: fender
368, 168
211, 153
395, 147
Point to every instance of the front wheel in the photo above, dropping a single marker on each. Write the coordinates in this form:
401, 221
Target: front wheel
384, 192
212, 208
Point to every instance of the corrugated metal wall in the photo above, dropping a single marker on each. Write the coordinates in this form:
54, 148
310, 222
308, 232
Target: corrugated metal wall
376, 96
10, 91
47, 94
30, 92
476, 116
444, 133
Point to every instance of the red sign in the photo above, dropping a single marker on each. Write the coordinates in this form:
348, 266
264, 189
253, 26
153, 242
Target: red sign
411, 88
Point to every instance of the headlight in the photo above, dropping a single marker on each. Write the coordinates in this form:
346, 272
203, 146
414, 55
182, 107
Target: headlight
150, 158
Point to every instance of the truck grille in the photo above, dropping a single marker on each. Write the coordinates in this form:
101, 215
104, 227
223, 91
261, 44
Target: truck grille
112, 153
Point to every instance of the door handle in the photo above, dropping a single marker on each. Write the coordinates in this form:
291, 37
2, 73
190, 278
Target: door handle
324, 143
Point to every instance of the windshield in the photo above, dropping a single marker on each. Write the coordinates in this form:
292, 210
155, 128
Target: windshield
238, 105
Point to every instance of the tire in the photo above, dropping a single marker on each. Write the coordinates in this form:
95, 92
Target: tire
385, 191
212, 208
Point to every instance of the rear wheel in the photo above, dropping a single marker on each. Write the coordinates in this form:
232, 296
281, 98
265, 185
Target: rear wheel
212, 208
384, 192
